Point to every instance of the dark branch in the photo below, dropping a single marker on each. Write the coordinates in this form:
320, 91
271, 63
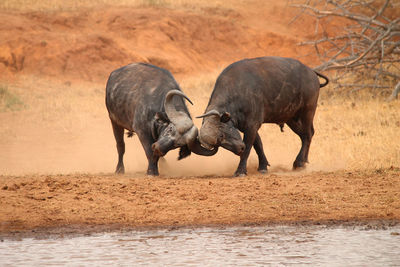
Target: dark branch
367, 47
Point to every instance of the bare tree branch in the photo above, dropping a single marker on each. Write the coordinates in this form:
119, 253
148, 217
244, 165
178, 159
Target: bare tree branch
395, 92
367, 46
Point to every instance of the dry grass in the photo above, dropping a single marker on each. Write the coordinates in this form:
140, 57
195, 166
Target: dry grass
357, 134
51, 5
8, 100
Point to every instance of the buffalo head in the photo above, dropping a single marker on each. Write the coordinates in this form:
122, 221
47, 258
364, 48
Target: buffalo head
176, 129
218, 130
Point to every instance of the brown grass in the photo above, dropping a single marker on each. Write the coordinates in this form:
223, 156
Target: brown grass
51, 5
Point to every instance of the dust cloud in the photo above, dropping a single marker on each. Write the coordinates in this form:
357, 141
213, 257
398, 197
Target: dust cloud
91, 149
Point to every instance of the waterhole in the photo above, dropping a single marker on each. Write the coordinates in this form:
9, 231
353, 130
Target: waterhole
236, 246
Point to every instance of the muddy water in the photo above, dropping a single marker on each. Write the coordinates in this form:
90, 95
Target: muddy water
239, 246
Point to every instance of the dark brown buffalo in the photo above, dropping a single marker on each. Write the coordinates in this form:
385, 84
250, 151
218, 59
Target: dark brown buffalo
251, 92
147, 100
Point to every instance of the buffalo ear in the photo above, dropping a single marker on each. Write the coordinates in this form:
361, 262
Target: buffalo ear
161, 117
184, 152
225, 117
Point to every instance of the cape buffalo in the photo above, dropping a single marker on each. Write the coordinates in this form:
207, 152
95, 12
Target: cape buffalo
254, 91
147, 100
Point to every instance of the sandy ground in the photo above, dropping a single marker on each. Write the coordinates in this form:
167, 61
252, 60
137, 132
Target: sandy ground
57, 151
50, 201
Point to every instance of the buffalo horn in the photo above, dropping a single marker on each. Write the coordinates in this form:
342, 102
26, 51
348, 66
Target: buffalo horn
210, 113
179, 118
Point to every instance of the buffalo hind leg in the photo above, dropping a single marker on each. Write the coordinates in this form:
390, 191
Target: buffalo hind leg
262, 160
119, 138
248, 139
304, 128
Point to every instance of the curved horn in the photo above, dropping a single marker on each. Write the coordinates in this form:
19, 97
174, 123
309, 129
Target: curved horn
179, 118
171, 93
210, 113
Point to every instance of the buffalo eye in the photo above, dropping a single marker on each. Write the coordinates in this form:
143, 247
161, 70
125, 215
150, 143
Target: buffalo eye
170, 130
225, 117
161, 117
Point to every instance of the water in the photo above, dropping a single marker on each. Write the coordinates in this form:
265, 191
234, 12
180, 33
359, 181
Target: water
238, 246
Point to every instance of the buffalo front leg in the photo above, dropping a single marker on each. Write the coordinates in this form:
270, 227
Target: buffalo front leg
248, 139
262, 160
119, 138
305, 130
152, 159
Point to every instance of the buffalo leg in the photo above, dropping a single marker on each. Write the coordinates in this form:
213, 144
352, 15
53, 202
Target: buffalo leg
152, 159
248, 139
304, 128
262, 160
119, 138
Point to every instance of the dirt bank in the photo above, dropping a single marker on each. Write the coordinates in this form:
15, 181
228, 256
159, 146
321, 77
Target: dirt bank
87, 44
133, 201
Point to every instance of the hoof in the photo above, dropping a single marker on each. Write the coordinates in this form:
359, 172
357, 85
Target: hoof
120, 170
152, 173
263, 171
240, 174
298, 165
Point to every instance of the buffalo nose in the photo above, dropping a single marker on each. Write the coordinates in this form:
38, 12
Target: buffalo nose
156, 148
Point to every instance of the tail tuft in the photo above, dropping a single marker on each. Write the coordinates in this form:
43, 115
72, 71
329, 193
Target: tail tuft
323, 77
